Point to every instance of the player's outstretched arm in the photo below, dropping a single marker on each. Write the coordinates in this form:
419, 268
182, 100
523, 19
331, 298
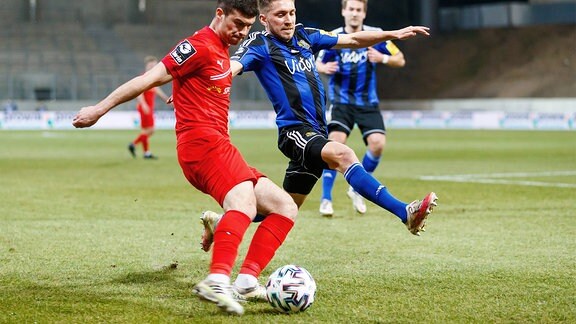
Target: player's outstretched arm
367, 38
156, 76
236, 67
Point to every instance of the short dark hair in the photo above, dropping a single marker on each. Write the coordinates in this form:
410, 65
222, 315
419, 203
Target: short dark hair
248, 8
265, 4
345, 2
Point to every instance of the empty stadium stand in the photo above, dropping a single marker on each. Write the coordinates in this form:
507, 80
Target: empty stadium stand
83, 49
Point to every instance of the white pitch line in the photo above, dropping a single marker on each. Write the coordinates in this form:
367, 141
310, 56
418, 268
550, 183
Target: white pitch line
488, 178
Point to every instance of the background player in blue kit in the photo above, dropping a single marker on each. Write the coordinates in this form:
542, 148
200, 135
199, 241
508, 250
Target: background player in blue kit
352, 91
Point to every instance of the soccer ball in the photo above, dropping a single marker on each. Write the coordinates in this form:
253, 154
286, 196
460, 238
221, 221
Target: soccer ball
291, 289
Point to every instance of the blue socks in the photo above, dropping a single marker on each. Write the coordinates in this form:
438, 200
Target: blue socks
370, 162
370, 188
328, 178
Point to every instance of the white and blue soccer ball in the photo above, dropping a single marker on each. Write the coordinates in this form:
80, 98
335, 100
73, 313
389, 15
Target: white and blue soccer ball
291, 289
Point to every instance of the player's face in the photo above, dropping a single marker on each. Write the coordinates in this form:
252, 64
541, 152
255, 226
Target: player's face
233, 27
354, 14
280, 20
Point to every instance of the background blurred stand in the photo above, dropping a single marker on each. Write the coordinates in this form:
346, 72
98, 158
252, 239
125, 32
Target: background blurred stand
10, 106
41, 107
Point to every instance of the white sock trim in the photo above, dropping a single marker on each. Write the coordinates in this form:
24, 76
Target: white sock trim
245, 281
219, 277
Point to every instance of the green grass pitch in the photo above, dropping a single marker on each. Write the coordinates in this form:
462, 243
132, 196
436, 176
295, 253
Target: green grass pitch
88, 234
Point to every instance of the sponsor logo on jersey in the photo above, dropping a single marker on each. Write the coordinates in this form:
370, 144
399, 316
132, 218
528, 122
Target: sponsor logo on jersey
301, 65
219, 90
355, 56
183, 52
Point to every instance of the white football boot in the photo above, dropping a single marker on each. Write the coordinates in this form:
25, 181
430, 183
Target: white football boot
220, 294
357, 201
253, 294
326, 209
209, 219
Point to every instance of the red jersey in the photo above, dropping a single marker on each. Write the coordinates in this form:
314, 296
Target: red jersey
149, 98
200, 68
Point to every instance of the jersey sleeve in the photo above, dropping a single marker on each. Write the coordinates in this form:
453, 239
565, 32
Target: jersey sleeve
184, 59
387, 48
252, 53
320, 39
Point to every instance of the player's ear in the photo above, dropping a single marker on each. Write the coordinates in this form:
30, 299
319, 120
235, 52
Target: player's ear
263, 20
220, 13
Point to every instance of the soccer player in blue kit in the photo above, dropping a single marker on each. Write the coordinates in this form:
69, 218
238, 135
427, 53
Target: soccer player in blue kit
282, 57
352, 91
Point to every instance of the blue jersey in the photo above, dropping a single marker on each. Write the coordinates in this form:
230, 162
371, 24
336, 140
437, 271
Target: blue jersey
355, 81
288, 74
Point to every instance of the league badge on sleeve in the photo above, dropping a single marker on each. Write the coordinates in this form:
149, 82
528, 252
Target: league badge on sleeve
329, 33
183, 52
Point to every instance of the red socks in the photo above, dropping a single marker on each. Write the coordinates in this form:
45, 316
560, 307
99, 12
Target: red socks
143, 138
227, 238
145, 145
270, 234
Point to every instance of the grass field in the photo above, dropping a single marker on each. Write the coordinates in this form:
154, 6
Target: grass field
88, 234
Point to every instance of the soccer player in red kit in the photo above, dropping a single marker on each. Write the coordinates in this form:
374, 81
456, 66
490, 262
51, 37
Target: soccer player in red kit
199, 68
146, 109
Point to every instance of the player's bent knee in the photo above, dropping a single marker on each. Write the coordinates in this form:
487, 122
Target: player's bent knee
338, 156
248, 210
286, 207
376, 143
291, 210
346, 157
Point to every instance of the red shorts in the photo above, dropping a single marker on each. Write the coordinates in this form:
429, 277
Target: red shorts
146, 120
212, 164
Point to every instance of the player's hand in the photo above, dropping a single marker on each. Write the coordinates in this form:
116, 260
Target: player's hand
86, 117
374, 56
170, 100
328, 67
411, 31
